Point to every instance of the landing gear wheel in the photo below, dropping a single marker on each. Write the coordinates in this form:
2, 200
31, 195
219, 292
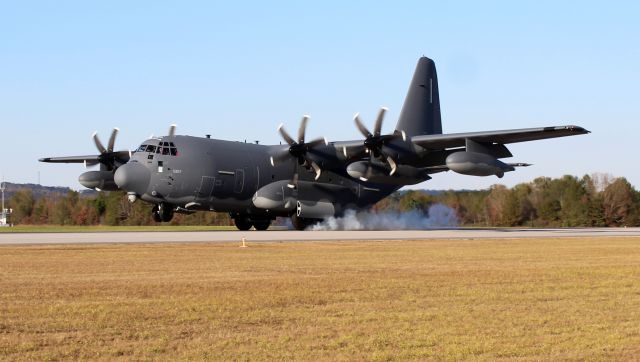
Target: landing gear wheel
300, 223
162, 213
242, 222
156, 214
261, 224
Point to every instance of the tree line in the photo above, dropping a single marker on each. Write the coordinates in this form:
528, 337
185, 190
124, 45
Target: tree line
569, 201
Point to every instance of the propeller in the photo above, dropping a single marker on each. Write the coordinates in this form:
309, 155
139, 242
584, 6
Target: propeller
109, 159
172, 130
374, 142
298, 149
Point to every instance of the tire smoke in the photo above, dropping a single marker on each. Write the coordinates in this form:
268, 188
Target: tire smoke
438, 216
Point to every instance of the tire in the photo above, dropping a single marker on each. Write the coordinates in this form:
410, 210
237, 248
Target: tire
242, 223
300, 223
155, 213
261, 224
165, 212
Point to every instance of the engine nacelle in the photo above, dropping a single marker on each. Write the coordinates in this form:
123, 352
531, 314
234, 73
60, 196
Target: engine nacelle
98, 180
476, 164
315, 209
379, 173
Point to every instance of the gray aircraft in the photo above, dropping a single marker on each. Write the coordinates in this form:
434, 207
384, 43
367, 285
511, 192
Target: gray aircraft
304, 180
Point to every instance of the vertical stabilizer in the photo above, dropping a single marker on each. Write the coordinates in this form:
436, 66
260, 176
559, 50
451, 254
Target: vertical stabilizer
421, 110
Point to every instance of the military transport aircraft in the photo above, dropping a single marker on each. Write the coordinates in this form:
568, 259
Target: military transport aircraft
304, 180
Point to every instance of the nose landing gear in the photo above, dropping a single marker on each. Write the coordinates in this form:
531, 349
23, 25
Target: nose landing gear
162, 213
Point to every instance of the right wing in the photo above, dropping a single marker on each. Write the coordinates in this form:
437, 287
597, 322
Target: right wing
93, 159
121, 157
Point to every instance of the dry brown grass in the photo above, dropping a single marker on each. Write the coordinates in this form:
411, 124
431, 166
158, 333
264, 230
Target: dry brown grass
484, 299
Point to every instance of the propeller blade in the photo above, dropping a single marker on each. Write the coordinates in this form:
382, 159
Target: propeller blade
99, 145
172, 130
316, 168
112, 139
354, 151
361, 127
294, 181
317, 142
279, 157
393, 164
285, 135
303, 129
378, 126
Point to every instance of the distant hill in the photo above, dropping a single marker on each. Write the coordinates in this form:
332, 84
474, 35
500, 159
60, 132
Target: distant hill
40, 191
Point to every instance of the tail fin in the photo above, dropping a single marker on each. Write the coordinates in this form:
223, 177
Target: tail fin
421, 110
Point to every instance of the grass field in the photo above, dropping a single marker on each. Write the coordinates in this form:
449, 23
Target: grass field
551, 299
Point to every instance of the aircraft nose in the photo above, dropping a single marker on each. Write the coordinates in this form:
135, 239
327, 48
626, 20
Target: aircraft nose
133, 177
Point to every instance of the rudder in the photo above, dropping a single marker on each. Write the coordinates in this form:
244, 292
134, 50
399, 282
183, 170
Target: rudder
420, 113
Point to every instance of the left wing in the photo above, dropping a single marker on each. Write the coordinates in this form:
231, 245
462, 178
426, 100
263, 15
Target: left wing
443, 141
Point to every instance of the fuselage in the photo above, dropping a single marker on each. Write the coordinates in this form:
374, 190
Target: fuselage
196, 173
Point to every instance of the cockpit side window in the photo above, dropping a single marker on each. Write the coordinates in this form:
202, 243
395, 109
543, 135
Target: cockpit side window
151, 148
141, 148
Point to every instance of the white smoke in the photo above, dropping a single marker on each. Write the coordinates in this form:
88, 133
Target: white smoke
438, 216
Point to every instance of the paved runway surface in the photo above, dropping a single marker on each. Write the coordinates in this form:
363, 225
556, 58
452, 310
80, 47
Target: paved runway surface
288, 236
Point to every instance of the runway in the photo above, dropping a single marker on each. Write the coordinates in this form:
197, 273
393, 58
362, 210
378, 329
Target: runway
291, 236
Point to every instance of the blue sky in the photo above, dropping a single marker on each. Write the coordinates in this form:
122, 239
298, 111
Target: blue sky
237, 69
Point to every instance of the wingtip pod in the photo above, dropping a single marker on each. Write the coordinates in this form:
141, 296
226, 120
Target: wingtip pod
578, 129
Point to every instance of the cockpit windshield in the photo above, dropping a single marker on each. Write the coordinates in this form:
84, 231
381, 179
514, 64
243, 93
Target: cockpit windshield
163, 148
167, 148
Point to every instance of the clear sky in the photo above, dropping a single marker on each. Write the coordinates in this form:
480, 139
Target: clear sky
236, 69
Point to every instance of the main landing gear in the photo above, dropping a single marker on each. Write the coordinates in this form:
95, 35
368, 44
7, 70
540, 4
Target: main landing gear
244, 222
301, 223
162, 213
